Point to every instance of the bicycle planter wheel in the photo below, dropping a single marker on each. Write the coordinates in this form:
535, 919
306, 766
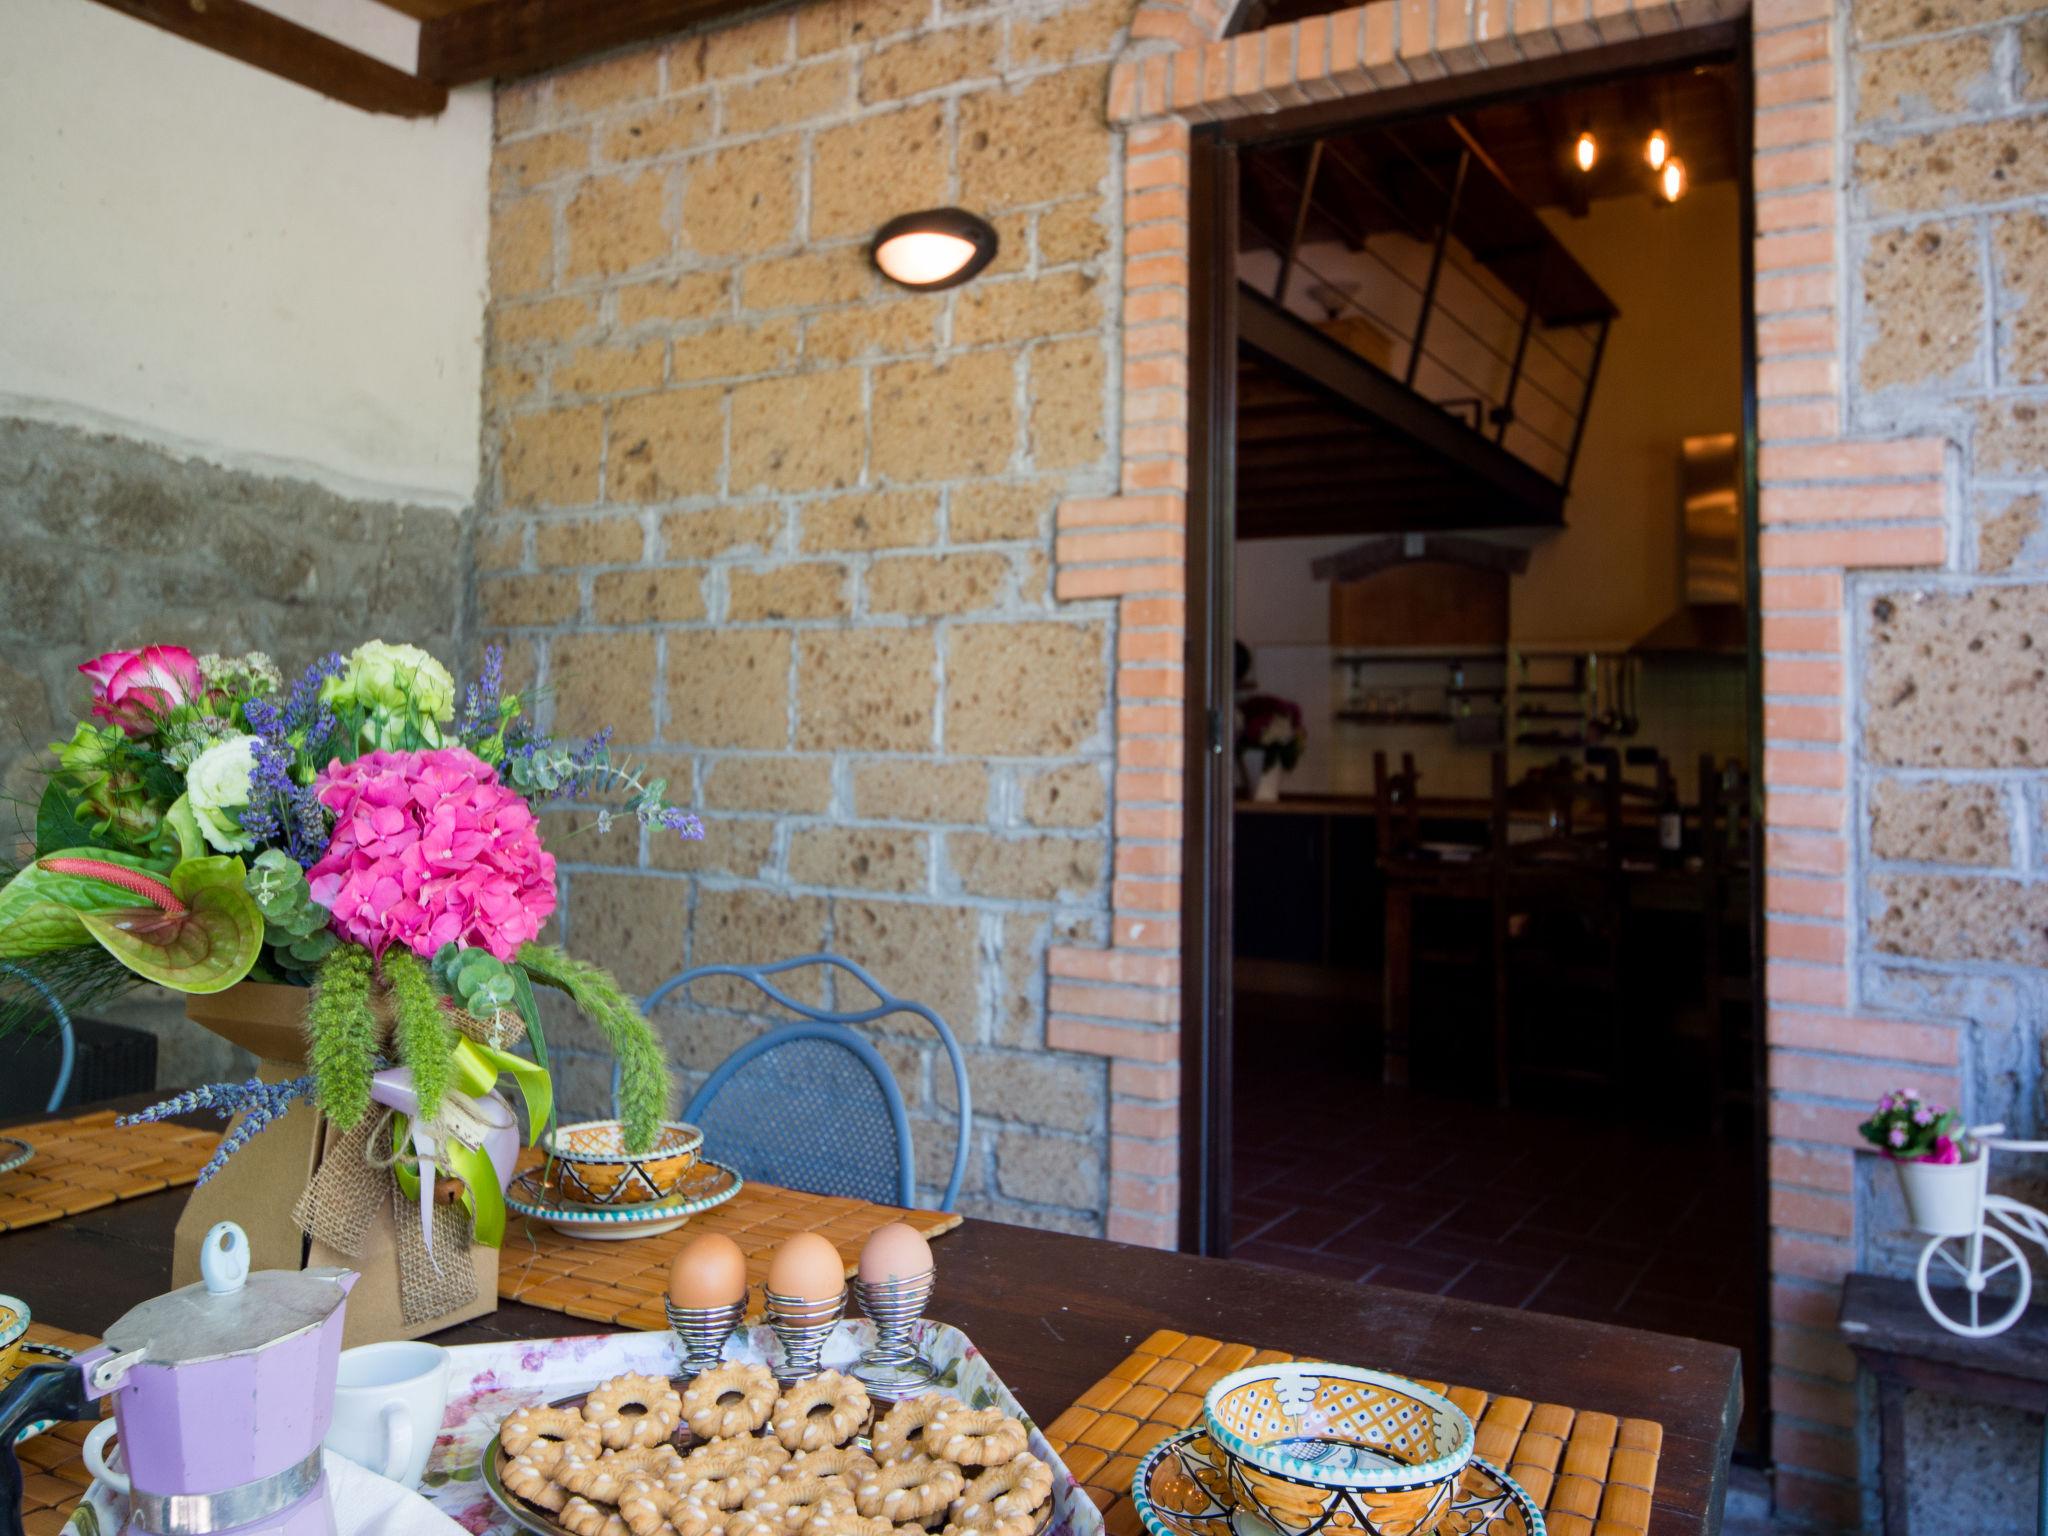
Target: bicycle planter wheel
2002, 1283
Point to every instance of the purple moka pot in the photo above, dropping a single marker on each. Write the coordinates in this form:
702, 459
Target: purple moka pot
222, 1394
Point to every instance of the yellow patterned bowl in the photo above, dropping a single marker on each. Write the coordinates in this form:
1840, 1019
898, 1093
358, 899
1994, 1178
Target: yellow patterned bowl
13, 1325
1311, 1447
592, 1165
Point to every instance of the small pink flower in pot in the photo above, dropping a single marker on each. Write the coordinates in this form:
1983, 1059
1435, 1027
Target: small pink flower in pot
1945, 1151
132, 689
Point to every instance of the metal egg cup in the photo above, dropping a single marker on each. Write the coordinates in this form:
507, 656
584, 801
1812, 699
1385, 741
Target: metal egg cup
892, 1369
802, 1327
703, 1331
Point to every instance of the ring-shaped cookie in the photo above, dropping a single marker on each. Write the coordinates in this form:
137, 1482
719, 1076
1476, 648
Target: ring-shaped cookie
647, 1505
526, 1477
899, 1435
819, 1413
724, 1472
994, 1525
903, 1492
603, 1479
634, 1410
797, 1495
584, 1518
1017, 1487
974, 1437
833, 1518
847, 1461
729, 1400
529, 1427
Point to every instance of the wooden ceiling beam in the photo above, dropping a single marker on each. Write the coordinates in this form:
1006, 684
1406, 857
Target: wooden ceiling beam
291, 52
517, 37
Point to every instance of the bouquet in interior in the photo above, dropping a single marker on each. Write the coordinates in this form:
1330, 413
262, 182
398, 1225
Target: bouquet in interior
364, 833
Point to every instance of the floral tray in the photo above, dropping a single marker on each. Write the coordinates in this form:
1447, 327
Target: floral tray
486, 1382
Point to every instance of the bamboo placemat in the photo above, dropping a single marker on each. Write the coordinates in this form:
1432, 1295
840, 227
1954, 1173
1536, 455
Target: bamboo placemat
1592, 1473
622, 1282
88, 1161
53, 1474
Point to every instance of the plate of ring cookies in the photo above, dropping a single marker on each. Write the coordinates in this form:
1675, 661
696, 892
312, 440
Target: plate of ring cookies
731, 1453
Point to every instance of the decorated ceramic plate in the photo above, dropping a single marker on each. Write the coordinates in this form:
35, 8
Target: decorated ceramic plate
705, 1184
1179, 1492
535, 1521
13, 1153
41, 1352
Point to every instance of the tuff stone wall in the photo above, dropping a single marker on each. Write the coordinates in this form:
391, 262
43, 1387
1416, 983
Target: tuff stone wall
107, 544
789, 529
1946, 226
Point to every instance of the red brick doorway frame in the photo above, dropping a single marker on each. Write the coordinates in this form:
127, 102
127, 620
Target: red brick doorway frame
1830, 505
1211, 535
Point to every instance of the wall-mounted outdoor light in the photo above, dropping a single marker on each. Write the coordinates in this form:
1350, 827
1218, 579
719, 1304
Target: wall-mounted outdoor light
933, 249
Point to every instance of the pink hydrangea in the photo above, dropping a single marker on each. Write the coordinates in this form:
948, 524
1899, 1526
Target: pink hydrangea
430, 848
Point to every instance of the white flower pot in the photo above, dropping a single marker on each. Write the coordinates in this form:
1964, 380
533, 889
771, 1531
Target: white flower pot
1942, 1198
1267, 788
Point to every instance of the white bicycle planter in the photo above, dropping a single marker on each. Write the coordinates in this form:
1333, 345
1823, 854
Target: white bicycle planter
1991, 1268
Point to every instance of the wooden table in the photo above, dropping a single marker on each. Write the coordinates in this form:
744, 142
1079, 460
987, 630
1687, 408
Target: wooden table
1054, 1313
1895, 1340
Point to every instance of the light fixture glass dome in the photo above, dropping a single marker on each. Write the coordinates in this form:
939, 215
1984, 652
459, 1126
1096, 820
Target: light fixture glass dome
1671, 180
1586, 151
1658, 149
933, 249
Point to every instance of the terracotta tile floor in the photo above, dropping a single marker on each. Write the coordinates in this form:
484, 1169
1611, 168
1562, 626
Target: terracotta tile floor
1542, 1206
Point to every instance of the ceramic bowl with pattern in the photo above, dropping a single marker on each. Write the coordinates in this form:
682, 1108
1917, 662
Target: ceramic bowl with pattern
706, 1185
13, 1325
591, 1166
1313, 1447
1180, 1490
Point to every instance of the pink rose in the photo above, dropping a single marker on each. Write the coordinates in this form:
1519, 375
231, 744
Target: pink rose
428, 849
132, 689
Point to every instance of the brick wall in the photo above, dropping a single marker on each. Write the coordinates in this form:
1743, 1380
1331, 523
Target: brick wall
908, 573
789, 529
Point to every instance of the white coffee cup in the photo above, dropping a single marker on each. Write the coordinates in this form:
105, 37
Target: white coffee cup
388, 1401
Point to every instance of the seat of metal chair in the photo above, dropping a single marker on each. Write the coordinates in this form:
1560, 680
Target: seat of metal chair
812, 1104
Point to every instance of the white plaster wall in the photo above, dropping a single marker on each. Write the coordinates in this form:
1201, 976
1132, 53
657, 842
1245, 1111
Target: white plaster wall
200, 255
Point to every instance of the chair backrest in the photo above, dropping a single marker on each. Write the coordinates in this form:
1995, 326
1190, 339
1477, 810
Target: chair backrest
812, 1104
67, 1048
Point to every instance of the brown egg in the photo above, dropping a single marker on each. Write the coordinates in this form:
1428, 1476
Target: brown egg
894, 1252
710, 1271
808, 1268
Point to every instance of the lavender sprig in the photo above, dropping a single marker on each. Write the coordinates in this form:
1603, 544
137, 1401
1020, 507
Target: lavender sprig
259, 1103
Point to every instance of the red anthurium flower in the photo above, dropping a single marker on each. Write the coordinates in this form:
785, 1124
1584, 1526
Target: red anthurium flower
132, 688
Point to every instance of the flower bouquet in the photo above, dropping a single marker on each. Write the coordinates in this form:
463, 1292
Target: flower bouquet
359, 838
1923, 1142
1270, 732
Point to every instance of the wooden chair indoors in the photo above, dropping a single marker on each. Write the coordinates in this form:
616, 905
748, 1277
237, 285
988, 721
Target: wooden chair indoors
1418, 875
1563, 948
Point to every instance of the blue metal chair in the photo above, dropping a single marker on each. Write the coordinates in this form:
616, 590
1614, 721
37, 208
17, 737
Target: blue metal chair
67, 1047
811, 1104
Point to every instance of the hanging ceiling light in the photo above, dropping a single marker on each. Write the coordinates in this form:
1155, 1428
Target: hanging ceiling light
1658, 149
1586, 151
1671, 180
933, 249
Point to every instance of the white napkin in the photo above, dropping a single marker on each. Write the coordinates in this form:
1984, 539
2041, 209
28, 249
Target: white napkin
368, 1505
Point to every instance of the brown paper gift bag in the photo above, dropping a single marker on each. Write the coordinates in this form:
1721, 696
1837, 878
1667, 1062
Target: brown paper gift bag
262, 1186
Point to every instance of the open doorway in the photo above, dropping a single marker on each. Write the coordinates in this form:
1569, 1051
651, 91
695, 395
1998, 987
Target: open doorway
1486, 861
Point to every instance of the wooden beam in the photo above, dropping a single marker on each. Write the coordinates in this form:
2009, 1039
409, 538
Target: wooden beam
517, 37
291, 52
1300, 351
